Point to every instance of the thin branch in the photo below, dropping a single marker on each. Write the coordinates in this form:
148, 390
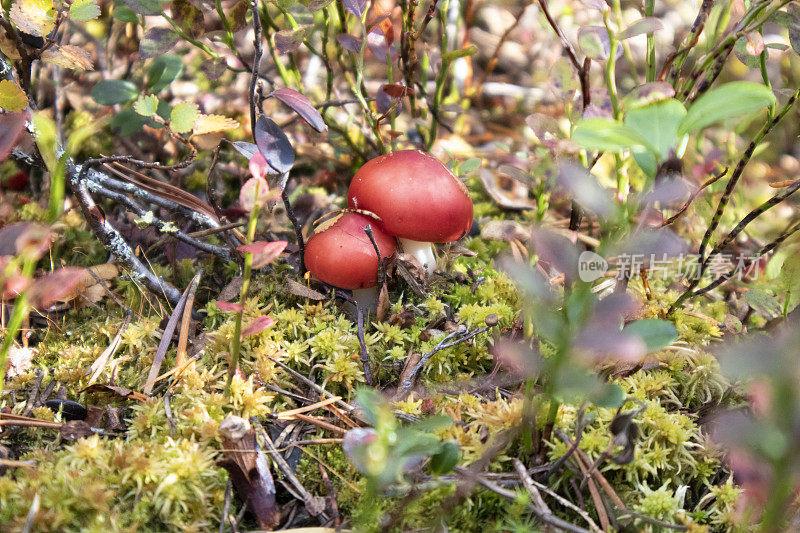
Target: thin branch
298, 229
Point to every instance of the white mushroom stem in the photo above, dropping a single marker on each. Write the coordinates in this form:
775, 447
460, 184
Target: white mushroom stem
367, 299
422, 251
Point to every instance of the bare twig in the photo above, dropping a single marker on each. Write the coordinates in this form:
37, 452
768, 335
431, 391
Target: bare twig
298, 229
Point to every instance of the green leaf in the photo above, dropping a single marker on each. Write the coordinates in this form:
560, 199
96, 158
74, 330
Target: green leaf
609, 395
433, 423
608, 135
763, 302
469, 165
112, 92
127, 122
162, 71
446, 459
655, 333
658, 123
455, 54
183, 117
83, 10
146, 105
125, 14
731, 100
790, 279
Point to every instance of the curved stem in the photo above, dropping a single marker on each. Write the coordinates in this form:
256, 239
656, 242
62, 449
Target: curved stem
422, 251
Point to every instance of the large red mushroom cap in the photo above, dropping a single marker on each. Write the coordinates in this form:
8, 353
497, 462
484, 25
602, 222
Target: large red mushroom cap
341, 254
416, 196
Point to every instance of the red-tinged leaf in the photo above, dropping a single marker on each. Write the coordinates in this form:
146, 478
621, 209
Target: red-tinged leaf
228, 307
378, 44
257, 326
274, 145
25, 238
356, 7
384, 101
258, 166
55, 286
289, 40
254, 193
11, 126
188, 17
396, 90
263, 252
349, 42
302, 106
383, 24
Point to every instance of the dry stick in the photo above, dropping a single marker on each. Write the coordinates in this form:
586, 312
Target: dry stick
492, 63
194, 234
162, 226
113, 241
764, 250
320, 423
549, 519
226, 505
284, 467
460, 336
725, 199
596, 498
531, 485
710, 181
691, 40
583, 76
594, 473
298, 229
252, 95
362, 343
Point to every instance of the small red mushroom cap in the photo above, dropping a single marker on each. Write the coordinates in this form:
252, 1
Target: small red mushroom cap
341, 254
416, 196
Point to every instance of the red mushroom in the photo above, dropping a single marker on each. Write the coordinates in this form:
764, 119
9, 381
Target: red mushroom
341, 254
419, 200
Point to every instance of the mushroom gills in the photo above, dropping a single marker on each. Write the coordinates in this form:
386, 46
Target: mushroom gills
422, 251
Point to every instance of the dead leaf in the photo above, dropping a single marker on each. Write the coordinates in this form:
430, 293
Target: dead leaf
89, 288
68, 56
412, 272
505, 230
383, 304
506, 192
122, 392
76, 429
231, 290
298, 289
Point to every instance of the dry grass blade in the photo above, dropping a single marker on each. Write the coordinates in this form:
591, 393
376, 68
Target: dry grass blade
102, 361
289, 414
183, 337
320, 423
166, 338
165, 190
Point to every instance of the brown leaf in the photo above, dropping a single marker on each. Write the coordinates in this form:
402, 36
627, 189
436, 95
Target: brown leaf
513, 196
231, 290
119, 391
505, 230
76, 429
55, 286
412, 272
298, 289
404, 319
69, 56
383, 304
